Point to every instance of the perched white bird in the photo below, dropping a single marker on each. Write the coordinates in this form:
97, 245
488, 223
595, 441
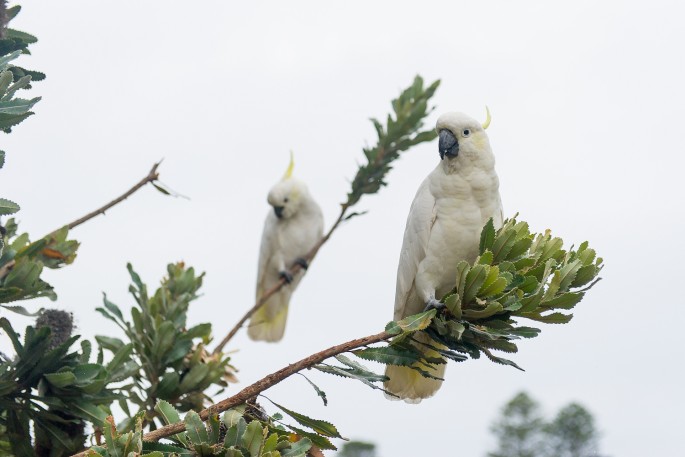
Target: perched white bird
444, 224
291, 229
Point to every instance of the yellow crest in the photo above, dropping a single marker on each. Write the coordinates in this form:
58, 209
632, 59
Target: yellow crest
289, 172
486, 124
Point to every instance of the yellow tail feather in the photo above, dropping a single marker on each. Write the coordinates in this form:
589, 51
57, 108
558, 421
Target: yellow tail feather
409, 385
266, 325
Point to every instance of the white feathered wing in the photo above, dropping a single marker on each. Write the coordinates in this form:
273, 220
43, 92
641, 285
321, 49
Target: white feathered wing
405, 382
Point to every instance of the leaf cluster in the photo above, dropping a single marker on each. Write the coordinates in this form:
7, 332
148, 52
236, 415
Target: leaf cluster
235, 434
53, 387
518, 275
173, 362
401, 131
22, 262
12, 77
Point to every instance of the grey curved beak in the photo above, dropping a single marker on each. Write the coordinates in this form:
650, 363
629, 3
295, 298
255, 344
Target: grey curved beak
447, 144
279, 211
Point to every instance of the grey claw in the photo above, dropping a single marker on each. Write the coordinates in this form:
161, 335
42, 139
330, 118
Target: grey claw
434, 304
301, 261
287, 276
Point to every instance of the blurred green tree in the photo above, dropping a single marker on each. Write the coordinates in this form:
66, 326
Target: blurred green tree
519, 429
572, 433
522, 431
358, 449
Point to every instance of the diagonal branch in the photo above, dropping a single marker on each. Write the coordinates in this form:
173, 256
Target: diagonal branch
265, 383
293, 271
151, 177
269, 381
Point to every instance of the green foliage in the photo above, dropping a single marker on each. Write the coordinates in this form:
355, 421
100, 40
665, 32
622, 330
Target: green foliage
518, 275
357, 449
353, 370
22, 263
401, 132
54, 389
572, 433
169, 360
235, 434
519, 429
522, 431
13, 78
129, 444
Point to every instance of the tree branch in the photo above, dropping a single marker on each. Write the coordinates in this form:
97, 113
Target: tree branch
294, 269
265, 383
152, 176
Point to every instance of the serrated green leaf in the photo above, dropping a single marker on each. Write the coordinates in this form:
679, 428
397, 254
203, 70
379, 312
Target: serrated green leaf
463, 269
17, 309
233, 415
504, 242
214, 428
17, 106
474, 280
564, 301
7, 121
319, 441
389, 355
62, 379
318, 391
411, 323
23, 36
525, 332
195, 428
234, 434
487, 236
502, 361
165, 449
88, 411
164, 339
490, 310
568, 274
193, 378
453, 303
554, 318
585, 274
253, 439
170, 416
8, 207
319, 426
109, 343
298, 448
519, 248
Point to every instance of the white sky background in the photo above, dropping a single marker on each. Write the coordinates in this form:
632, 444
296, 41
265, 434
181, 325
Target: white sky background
587, 105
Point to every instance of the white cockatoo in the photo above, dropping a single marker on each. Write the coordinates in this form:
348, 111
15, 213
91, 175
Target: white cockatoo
292, 227
443, 228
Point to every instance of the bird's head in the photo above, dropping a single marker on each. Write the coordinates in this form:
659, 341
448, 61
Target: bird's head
287, 195
462, 138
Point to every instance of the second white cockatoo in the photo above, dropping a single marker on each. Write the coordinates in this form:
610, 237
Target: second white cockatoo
447, 215
292, 227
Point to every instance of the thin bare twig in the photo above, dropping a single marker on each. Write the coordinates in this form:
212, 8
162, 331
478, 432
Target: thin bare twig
152, 176
294, 269
264, 383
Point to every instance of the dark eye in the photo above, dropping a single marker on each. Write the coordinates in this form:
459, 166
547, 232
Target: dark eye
466, 132
285, 200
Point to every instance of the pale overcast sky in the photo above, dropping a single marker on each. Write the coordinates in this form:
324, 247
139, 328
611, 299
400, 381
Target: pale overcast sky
588, 106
